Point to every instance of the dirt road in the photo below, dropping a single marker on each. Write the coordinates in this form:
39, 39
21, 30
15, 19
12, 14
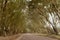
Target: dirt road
33, 37
27, 37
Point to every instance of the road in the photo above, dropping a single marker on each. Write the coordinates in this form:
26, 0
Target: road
27, 37
33, 37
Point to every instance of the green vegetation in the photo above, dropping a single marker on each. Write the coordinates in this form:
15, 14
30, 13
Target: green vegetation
29, 16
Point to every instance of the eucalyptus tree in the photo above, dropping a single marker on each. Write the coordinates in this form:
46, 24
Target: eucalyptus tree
46, 12
10, 16
21, 16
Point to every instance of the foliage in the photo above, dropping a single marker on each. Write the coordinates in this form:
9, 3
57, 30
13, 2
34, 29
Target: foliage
34, 16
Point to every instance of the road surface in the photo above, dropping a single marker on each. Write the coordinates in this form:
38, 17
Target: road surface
33, 37
27, 37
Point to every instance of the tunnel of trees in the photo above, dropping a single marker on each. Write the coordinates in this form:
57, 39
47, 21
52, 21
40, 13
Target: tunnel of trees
29, 16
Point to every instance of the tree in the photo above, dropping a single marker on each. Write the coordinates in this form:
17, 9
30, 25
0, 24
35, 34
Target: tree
21, 16
46, 10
